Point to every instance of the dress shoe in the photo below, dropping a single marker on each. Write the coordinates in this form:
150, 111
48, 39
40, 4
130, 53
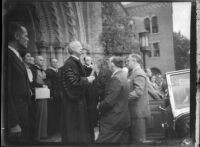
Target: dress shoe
146, 141
44, 138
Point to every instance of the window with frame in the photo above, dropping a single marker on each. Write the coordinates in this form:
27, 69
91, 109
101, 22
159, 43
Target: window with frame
149, 53
154, 21
156, 49
147, 24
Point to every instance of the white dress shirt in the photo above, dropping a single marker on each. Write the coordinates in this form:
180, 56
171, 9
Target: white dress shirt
15, 52
30, 74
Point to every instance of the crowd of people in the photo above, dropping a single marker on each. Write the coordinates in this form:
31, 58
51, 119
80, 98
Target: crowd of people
111, 93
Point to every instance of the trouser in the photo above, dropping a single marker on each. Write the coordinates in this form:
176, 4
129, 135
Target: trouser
24, 136
138, 129
112, 136
41, 116
22, 139
54, 114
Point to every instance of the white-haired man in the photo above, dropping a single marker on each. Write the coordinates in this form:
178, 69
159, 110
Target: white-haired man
75, 125
39, 81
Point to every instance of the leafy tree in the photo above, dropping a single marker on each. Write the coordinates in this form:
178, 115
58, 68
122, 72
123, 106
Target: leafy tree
117, 36
181, 50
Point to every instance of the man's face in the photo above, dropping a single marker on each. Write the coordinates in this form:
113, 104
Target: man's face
88, 61
149, 73
23, 38
40, 61
27, 58
54, 63
153, 78
77, 49
110, 65
32, 60
84, 52
130, 62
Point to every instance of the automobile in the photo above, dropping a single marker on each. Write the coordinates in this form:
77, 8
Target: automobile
170, 116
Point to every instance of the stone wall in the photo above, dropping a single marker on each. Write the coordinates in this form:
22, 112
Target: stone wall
52, 25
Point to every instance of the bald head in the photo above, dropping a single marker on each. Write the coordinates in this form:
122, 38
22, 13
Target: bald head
75, 48
39, 60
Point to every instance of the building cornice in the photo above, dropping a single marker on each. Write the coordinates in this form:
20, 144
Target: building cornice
146, 6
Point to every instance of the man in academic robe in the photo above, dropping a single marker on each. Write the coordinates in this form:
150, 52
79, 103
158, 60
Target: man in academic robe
75, 124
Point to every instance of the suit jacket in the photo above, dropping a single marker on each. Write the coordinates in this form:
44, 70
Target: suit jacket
153, 92
53, 83
38, 79
139, 101
18, 94
114, 107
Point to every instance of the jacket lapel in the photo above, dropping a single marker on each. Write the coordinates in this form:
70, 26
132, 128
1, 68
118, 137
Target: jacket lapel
80, 66
17, 61
118, 72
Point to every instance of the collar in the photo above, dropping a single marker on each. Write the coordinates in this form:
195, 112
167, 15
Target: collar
15, 51
88, 66
130, 71
26, 65
138, 66
116, 71
54, 69
75, 57
38, 67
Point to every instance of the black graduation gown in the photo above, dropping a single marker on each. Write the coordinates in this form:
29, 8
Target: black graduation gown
75, 124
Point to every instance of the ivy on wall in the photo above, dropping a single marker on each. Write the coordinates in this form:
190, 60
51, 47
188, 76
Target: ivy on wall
117, 37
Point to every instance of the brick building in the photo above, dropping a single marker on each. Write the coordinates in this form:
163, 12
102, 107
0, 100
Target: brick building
157, 19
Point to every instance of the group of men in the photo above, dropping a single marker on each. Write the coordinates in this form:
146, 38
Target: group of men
25, 116
123, 109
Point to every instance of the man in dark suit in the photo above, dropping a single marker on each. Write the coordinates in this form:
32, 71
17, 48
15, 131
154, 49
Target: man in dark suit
115, 117
18, 95
138, 98
75, 124
54, 104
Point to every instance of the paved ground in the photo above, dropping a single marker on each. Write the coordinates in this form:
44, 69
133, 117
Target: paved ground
56, 140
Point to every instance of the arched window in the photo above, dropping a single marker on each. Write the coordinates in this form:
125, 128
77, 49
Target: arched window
147, 24
154, 20
155, 71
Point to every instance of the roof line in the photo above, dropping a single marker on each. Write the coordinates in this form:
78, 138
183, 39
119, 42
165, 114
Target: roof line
127, 13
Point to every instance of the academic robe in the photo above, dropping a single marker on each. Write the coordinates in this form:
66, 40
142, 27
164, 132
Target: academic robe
75, 121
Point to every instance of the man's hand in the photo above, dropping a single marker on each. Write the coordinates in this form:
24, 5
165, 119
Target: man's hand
45, 86
131, 96
15, 131
98, 105
90, 79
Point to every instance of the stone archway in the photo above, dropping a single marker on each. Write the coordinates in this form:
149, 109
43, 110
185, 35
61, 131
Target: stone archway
51, 26
21, 13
